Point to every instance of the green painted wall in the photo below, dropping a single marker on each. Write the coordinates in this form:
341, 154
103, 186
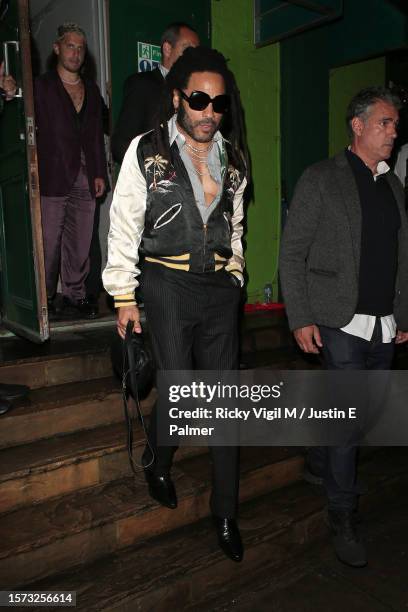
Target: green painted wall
368, 28
304, 104
343, 84
258, 78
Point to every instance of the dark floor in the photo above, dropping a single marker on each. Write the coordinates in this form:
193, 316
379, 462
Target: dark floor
313, 580
317, 581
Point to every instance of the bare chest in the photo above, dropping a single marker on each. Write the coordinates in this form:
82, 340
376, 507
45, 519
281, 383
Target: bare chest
209, 185
77, 95
210, 188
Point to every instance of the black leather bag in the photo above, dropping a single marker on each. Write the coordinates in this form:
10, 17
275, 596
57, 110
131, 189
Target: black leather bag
133, 364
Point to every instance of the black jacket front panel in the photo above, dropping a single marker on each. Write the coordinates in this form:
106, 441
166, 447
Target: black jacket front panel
173, 224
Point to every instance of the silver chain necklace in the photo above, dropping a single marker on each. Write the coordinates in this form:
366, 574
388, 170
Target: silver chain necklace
196, 150
70, 82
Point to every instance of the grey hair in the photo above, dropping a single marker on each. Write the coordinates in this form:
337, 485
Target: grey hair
67, 28
172, 33
360, 105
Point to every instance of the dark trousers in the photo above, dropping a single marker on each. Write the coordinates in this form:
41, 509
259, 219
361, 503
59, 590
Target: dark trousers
342, 351
67, 223
193, 324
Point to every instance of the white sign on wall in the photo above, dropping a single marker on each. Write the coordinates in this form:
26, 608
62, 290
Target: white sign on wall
148, 56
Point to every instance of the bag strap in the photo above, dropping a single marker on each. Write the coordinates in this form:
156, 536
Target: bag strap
132, 375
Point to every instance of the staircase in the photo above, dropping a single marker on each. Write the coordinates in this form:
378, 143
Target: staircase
73, 517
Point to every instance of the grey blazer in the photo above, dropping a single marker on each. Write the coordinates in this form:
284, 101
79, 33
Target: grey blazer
320, 248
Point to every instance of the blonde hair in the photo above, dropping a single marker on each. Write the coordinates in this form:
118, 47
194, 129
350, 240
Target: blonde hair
68, 27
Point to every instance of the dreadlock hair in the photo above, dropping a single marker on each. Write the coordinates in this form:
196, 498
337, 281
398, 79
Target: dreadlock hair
203, 59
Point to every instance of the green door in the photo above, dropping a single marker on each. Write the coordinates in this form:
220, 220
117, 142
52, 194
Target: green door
23, 293
134, 21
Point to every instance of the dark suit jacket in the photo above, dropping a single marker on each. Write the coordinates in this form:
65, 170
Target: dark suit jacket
320, 249
141, 98
60, 139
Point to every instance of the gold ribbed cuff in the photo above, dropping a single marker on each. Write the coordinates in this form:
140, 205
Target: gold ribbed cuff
125, 300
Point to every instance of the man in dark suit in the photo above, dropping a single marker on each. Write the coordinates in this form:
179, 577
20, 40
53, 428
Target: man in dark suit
344, 273
72, 167
142, 91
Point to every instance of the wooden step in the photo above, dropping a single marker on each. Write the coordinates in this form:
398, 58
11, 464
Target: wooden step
315, 580
46, 538
264, 330
69, 357
48, 468
185, 570
65, 409
59, 370
382, 525
84, 354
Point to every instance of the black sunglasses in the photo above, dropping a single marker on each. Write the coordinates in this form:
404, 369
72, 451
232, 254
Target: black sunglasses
198, 100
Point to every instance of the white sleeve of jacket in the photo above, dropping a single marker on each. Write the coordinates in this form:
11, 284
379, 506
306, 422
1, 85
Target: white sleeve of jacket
127, 218
236, 263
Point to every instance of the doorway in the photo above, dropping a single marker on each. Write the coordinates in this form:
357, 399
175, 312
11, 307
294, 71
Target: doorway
344, 82
391, 70
45, 17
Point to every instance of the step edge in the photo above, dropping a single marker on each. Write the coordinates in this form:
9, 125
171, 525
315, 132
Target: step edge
199, 489
178, 573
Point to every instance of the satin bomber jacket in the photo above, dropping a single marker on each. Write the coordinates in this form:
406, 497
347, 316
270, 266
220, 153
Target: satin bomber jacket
154, 212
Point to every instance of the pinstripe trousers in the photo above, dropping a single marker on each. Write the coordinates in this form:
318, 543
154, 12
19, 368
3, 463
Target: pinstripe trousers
193, 324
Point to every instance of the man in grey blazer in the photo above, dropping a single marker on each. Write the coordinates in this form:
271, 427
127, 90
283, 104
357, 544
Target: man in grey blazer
344, 274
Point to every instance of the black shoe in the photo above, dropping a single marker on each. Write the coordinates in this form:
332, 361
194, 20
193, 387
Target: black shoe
13, 392
5, 406
81, 308
348, 546
56, 308
161, 488
52, 311
86, 309
69, 309
229, 538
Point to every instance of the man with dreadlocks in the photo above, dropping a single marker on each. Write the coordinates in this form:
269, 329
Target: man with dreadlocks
179, 202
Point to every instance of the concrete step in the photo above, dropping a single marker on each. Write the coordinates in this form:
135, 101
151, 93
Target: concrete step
65, 409
42, 539
185, 570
